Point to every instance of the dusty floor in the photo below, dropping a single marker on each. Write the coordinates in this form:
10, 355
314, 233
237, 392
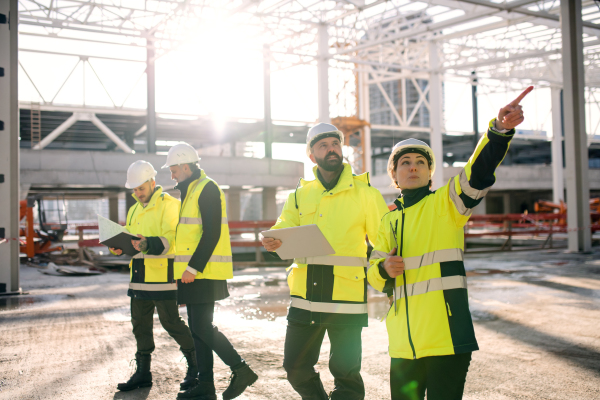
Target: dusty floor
537, 320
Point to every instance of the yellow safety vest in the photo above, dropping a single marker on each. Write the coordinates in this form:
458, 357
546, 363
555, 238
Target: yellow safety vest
189, 233
346, 215
158, 219
429, 236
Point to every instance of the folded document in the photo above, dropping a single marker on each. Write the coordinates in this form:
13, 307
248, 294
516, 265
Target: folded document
116, 236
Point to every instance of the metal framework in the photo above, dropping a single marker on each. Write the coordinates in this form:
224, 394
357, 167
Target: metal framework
505, 45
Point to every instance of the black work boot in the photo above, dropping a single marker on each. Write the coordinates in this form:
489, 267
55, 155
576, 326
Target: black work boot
142, 376
191, 377
312, 389
241, 378
202, 391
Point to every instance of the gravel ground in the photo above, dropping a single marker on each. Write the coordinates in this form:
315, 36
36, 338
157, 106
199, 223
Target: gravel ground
537, 320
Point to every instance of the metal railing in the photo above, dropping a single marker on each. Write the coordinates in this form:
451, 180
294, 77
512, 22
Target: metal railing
510, 226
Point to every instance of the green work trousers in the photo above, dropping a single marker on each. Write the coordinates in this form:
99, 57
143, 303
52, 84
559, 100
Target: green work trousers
142, 313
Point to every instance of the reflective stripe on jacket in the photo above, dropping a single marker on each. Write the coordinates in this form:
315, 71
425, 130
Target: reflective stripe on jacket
189, 233
158, 219
430, 315
346, 214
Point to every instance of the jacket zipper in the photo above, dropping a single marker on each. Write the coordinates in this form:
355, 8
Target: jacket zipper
412, 346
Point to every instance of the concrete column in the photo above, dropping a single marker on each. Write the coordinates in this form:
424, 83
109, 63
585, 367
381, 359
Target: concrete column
234, 203
364, 113
113, 207
436, 115
269, 204
506, 203
481, 208
576, 151
129, 201
558, 180
151, 97
475, 109
323, 73
9, 149
267, 98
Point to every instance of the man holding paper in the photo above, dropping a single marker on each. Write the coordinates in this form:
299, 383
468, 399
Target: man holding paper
329, 292
153, 218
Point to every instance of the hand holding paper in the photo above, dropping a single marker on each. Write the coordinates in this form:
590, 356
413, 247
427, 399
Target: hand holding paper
270, 244
298, 242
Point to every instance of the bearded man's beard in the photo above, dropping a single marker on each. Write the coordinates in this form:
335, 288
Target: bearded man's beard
330, 163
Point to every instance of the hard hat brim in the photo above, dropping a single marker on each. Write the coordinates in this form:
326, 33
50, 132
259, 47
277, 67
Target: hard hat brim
133, 185
172, 165
425, 148
320, 136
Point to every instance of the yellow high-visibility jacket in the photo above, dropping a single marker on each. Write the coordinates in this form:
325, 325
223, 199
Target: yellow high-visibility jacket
189, 233
332, 289
151, 276
430, 315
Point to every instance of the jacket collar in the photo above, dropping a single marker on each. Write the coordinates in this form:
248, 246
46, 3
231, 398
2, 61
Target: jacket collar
183, 186
345, 181
410, 197
157, 192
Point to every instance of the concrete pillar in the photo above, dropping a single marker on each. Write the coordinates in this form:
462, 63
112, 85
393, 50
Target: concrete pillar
269, 204
558, 180
475, 110
436, 115
267, 101
9, 149
480, 209
506, 203
129, 201
364, 113
576, 151
151, 97
113, 207
323, 73
234, 203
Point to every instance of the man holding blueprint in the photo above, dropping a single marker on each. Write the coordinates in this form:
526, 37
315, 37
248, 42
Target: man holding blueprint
153, 218
329, 292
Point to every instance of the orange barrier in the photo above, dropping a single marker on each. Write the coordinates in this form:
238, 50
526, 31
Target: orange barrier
515, 225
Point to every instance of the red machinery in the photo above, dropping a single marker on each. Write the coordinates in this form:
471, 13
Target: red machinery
40, 241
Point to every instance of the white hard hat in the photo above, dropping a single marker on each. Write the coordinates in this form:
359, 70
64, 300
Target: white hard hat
181, 153
138, 173
321, 131
412, 146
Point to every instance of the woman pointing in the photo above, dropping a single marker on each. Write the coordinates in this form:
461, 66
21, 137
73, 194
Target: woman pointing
419, 260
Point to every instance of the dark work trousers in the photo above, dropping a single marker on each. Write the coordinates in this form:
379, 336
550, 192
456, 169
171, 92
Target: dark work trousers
301, 354
208, 338
443, 377
142, 319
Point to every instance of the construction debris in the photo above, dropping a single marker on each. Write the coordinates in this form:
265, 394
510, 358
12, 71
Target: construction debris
61, 270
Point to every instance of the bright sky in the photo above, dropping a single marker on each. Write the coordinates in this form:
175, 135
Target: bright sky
220, 74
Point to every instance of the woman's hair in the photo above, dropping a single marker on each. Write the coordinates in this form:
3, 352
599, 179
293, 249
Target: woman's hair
393, 165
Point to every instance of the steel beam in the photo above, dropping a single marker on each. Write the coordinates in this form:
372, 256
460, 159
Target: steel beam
267, 102
364, 113
323, 73
436, 115
111, 135
558, 183
576, 152
151, 97
475, 109
56, 132
9, 150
